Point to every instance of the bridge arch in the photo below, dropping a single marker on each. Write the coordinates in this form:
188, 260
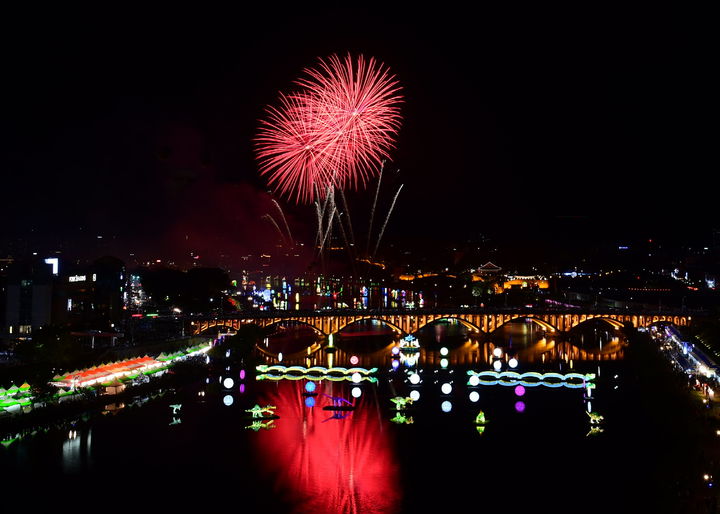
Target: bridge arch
227, 323
467, 324
616, 324
277, 322
357, 319
544, 324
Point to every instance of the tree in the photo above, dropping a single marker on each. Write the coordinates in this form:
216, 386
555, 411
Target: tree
42, 390
50, 346
192, 291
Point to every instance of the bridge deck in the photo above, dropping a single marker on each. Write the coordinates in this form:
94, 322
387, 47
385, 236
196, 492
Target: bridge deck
476, 320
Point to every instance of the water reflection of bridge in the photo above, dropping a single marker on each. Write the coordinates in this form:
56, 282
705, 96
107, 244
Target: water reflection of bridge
408, 322
471, 353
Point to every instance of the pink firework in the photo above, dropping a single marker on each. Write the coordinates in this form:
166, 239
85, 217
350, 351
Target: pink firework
334, 132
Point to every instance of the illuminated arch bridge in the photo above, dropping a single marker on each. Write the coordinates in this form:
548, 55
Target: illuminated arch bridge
332, 322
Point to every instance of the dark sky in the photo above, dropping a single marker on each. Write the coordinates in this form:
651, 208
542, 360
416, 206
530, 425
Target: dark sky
539, 123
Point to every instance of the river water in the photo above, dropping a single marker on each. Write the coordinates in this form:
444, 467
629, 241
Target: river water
537, 450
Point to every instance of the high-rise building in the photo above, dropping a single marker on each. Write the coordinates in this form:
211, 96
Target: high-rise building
28, 297
42, 292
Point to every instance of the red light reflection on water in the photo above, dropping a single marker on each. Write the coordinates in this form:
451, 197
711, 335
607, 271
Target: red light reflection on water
323, 464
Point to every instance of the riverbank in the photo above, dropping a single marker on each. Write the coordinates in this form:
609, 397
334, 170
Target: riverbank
686, 438
19, 373
91, 403
68, 395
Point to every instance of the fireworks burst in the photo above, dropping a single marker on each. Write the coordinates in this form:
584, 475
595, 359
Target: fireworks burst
334, 132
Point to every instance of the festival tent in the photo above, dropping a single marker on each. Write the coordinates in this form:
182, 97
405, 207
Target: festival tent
114, 387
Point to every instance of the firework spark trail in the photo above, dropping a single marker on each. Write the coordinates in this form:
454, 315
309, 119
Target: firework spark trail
345, 117
349, 221
372, 210
272, 220
382, 230
319, 213
318, 234
327, 207
344, 235
287, 227
327, 231
326, 198
326, 227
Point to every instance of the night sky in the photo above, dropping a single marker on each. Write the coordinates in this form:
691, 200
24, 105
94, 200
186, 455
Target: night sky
541, 124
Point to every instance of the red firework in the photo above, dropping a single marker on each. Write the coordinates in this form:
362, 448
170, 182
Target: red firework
334, 132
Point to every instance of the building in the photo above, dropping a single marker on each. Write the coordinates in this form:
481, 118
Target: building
91, 296
488, 270
40, 292
28, 297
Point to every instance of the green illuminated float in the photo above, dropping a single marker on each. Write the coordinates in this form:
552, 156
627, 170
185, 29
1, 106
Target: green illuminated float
401, 403
257, 425
595, 418
480, 422
400, 419
259, 412
594, 430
